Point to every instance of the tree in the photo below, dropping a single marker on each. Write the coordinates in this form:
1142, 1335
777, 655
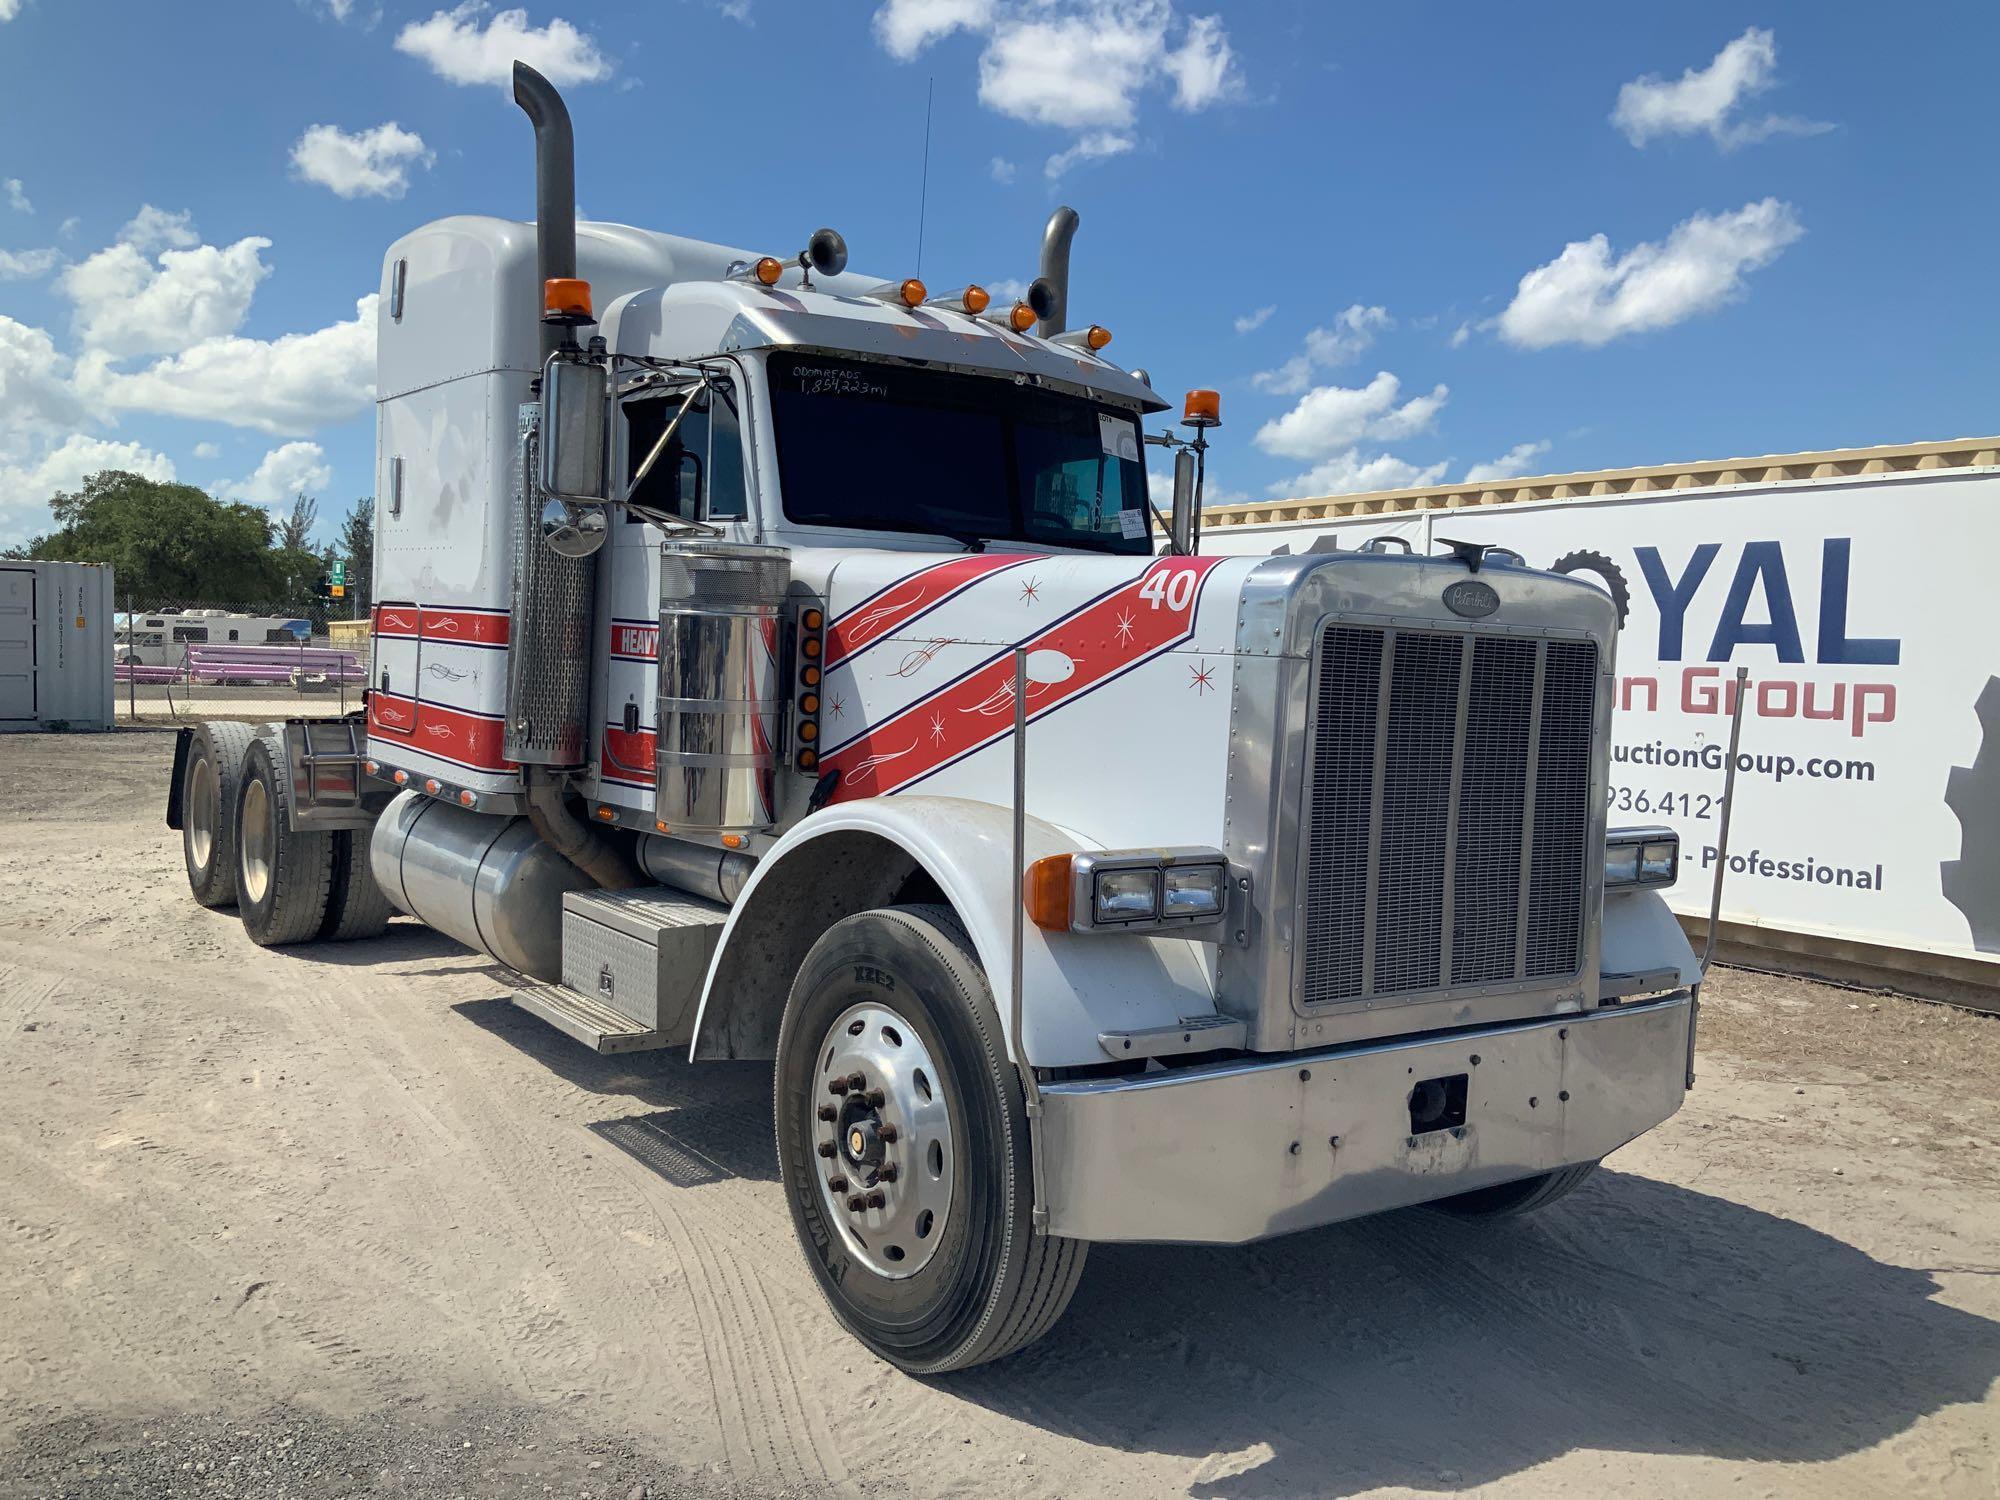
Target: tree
295, 531
357, 540
168, 542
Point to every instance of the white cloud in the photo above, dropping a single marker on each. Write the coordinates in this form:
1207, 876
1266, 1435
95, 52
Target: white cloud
69, 226
155, 229
35, 390
1347, 338
460, 48
1007, 289
1349, 472
26, 265
1003, 170
286, 385
10, 9
1706, 99
1516, 461
1076, 65
1203, 67
369, 164
17, 196
29, 481
1095, 146
127, 305
1461, 335
1251, 322
1583, 296
906, 27
1330, 418
207, 450
282, 473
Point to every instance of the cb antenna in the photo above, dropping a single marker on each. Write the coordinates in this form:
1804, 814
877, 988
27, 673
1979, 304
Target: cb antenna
924, 182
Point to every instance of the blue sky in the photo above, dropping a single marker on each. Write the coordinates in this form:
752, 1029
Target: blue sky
1406, 242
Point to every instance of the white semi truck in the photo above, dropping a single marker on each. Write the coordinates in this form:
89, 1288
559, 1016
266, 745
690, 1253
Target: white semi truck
783, 663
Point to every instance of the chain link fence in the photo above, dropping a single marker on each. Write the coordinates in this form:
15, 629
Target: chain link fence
180, 660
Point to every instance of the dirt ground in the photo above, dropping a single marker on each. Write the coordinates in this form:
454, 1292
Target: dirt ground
342, 1221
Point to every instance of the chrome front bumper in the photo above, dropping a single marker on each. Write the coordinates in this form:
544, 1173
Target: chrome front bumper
1247, 1149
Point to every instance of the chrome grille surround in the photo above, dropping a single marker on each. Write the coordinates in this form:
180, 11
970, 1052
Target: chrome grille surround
1383, 792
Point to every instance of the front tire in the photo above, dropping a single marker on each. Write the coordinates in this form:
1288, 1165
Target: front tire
1511, 1198
283, 874
926, 1248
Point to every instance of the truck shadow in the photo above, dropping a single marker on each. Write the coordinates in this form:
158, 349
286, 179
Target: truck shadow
1414, 1350
704, 1121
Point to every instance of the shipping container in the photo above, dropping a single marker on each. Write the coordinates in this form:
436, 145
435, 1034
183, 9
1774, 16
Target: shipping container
55, 646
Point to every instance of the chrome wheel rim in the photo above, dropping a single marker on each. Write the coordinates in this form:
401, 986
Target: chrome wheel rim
256, 840
882, 1143
201, 805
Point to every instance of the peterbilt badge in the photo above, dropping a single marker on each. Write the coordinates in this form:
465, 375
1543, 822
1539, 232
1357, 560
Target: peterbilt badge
1471, 598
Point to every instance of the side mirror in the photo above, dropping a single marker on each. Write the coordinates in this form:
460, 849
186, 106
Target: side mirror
576, 430
1185, 499
573, 530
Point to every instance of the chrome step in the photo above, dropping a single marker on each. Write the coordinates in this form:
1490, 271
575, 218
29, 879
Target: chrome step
1198, 1034
597, 1026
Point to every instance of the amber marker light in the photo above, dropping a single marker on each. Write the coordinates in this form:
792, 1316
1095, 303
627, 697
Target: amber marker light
976, 299
565, 297
809, 704
371, 767
401, 778
433, 785
810, 676
1045, 893
1098, 336
662, 827
808, 759
468, 799
732, 841
809, 731
813, 619
1021, 317
913, 292
811, 648
768, 269
1202, 409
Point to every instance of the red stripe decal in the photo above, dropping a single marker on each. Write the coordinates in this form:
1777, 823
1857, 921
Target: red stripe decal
474, 740
396, 619
902, 601
1106, 637
628, 754
470, 627
632, 641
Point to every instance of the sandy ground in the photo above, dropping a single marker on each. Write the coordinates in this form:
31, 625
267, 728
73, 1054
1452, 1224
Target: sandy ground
340, 1221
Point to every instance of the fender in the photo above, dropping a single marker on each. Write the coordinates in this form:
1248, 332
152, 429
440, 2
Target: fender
881, 850
1641, 934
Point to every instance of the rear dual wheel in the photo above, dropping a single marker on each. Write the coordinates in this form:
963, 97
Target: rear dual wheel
211, 778
903, 1144
283, 874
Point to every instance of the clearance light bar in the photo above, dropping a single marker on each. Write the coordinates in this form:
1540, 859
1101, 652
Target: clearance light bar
1129, 890
1641, 856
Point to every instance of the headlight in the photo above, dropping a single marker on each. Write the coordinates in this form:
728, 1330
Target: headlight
1641, 856
1126, 895
1194, 890
1131, 890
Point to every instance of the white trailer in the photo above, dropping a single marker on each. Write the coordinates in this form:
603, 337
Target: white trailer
55, 646
781, 663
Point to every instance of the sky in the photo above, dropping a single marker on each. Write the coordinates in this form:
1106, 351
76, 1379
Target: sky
1409, 244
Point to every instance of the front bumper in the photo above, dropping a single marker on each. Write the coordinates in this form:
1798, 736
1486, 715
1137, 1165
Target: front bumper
1242, 1150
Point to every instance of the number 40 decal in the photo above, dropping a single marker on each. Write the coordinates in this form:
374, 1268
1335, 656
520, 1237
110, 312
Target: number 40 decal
1172, 588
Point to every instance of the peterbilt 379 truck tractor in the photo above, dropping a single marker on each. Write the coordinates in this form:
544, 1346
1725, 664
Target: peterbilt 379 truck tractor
783, 663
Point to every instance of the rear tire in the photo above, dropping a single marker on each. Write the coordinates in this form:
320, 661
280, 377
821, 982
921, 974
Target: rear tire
283, 874
355, 905
209, 783
1511, 1198
905, 981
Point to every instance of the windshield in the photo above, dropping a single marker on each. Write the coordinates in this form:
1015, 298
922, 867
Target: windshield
884, 448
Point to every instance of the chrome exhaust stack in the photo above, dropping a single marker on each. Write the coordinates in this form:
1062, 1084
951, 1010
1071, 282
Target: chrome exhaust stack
1055, 268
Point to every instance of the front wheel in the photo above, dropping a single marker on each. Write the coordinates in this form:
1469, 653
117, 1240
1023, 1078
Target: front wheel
903, 1144
1511, 1198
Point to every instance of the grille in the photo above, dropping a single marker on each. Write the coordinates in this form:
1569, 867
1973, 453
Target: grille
1449, 811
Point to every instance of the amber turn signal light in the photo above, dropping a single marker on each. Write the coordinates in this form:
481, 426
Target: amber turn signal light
1045, 892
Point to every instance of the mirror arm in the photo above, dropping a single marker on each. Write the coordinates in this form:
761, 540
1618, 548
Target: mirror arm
666, 437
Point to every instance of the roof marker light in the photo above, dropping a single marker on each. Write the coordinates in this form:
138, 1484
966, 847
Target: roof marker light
970, 298
1093, 338
765, 270
909, 291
